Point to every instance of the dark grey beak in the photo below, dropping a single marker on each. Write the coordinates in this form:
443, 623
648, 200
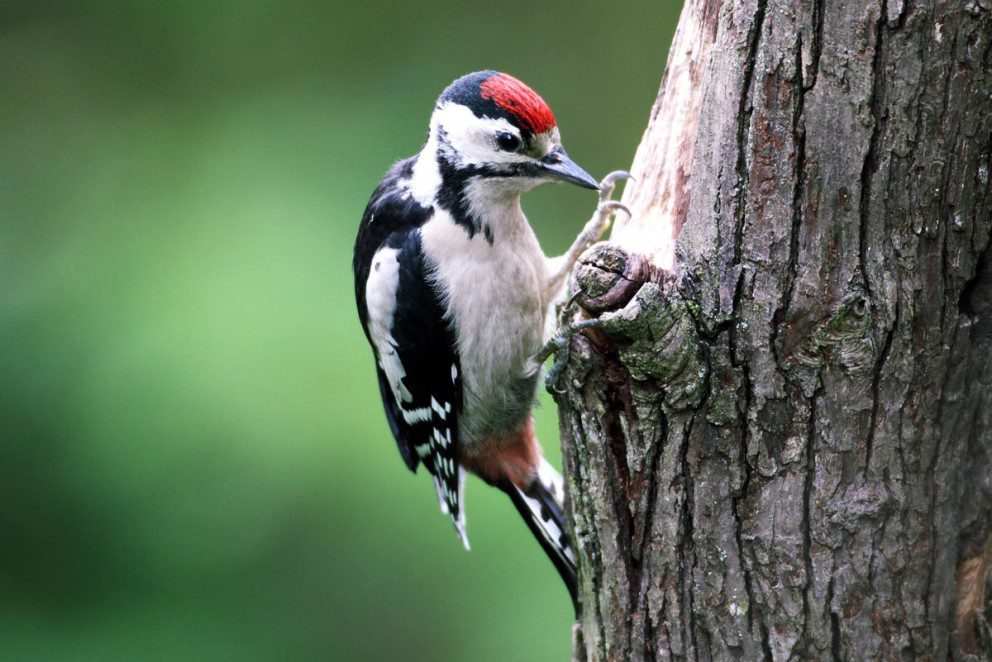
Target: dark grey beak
558, 166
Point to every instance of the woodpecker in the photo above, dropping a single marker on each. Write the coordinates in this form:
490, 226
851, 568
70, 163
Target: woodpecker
455, 296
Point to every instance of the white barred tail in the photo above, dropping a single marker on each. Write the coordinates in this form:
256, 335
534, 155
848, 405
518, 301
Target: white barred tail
541, 506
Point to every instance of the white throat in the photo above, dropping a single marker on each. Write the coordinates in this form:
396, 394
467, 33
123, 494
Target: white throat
496, 202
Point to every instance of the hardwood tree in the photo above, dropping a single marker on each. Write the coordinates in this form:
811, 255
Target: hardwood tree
778, 431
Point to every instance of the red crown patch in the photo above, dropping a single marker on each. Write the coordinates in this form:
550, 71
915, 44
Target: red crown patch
516, 98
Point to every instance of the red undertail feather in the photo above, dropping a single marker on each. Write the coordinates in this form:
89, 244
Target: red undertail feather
513, 457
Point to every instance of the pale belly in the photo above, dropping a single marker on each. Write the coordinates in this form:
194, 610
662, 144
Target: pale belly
496, 339
497, 298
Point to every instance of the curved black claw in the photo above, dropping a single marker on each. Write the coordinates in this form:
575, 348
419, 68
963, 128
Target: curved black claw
554, 374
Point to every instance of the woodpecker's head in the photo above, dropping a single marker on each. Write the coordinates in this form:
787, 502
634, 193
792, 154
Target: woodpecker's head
491, 128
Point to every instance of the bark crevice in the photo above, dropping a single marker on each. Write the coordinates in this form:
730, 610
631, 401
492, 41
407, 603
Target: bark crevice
785, 442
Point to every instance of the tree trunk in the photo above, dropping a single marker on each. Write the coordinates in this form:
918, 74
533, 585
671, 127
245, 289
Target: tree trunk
780, 446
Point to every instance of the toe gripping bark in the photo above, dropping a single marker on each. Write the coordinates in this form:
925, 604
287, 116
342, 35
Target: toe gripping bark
644, 314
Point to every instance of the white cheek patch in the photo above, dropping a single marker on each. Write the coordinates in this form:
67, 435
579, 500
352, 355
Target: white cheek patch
473, 139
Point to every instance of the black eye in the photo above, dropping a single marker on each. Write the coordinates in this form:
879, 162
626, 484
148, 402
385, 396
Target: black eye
507, 141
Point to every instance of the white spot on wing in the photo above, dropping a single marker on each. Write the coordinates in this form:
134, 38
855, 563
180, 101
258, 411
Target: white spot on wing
460, 522
441, 495
446, 494
441, 411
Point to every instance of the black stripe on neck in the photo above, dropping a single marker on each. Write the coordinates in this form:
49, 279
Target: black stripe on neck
451, 194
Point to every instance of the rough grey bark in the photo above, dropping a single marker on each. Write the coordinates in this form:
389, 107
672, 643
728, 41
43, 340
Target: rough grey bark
780, 447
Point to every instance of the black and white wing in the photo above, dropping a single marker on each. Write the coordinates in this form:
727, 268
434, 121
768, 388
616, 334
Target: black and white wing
414, 345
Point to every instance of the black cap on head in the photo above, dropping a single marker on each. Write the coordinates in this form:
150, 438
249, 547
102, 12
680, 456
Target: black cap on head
501, 96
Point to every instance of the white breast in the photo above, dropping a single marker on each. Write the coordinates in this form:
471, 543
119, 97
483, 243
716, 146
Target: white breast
495, 294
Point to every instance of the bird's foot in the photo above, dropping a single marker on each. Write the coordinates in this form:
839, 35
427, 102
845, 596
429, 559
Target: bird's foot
558, 347
606, 209
610, 182
594, 229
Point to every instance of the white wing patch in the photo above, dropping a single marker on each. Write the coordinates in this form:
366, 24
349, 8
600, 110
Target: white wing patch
437, 451
380, 298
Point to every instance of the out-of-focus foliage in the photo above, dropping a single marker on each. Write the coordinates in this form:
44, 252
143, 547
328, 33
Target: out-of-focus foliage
193, 460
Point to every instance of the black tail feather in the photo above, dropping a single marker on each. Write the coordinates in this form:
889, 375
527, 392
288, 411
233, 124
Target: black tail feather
540, 506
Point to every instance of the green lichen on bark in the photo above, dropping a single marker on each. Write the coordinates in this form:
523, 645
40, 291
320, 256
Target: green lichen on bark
843, 340
664, 345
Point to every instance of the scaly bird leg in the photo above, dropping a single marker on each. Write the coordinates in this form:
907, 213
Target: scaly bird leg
559, 267
558, 345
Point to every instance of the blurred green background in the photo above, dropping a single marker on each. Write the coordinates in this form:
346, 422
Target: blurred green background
193, 460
